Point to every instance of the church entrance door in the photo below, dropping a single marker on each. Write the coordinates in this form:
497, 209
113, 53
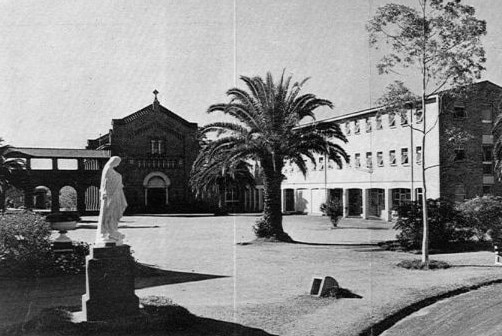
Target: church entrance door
156, 198
156, 192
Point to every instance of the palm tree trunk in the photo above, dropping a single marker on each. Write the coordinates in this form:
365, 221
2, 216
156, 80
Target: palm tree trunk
272, 209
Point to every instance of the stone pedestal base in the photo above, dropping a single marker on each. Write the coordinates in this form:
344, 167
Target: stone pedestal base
109, 284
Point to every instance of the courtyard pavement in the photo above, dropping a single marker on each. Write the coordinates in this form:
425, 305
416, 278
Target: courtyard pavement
213, 272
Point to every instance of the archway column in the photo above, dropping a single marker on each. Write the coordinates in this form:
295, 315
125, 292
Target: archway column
54, 199
28, 197
81, 208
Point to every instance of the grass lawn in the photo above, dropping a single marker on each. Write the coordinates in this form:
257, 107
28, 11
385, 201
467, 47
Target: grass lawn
264, 285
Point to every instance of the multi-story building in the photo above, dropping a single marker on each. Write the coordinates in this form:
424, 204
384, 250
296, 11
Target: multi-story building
388, 156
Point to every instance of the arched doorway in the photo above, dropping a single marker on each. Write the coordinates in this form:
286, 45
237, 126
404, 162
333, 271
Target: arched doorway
67, 199
42, 199
156, 186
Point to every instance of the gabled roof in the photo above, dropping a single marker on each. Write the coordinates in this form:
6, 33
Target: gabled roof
150, 109
60, 152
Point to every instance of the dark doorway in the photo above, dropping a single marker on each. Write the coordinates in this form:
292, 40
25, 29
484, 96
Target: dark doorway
377, 202
355, 202
289, 195
156, 199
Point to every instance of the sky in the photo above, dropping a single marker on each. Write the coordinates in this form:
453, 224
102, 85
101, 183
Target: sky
68, 67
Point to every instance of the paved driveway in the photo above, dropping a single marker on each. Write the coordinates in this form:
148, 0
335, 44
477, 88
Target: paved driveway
477, 313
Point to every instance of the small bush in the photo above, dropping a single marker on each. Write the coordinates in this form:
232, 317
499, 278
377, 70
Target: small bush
484, 216
25, 248
262, 229
446, 225
418, 265
333, 209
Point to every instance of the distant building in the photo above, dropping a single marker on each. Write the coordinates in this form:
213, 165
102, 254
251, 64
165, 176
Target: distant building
386, 158
157, 148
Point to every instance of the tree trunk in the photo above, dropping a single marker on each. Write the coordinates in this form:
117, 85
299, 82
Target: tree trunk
272, 209
272, 212
425, 217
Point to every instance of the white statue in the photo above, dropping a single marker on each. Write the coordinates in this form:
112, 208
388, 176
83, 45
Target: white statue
113, 204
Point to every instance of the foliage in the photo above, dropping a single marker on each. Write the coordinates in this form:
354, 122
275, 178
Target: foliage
64, 216
68, 198
212, 175
441, 42
12, 172
417, 264
446, 223
25, 248
497, 136
262, 228
334, 209
484, 216
268, 132
441, 39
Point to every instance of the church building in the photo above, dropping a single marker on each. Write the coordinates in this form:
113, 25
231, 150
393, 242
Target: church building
157, 148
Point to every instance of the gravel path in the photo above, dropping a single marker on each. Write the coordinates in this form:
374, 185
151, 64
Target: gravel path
473, 313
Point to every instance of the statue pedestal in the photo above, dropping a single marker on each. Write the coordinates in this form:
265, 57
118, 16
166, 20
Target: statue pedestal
109, 284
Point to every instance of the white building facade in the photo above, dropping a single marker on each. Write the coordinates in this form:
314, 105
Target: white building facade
387, 158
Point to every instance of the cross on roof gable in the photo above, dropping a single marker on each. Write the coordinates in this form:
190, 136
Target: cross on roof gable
150, 109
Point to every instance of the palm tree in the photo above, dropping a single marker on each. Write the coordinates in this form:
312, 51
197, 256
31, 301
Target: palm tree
268, 131
213, 175
10, 170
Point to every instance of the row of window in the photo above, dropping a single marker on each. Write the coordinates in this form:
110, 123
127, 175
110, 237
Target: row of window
392, 120
161, 163
392, 158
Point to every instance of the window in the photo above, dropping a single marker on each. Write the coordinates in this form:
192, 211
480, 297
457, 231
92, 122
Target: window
419, 194
156, 146
392, 157
459, 112
357, 128
459, 193
380, 159
369, 160
459, 154
378, 119
321, 163
41, 164
368, 125
404, 156
349, 161
67, 164
404, 118
486, 114
419, 116
357, 160
392, 119
487, 153
418, 154
400, 196
487, 169
347, 128
487, 190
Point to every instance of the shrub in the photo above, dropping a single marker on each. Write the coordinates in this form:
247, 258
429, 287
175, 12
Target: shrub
25, 248
419, 265
25, 245
334, 209
262, 228
446, 224
484, 216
